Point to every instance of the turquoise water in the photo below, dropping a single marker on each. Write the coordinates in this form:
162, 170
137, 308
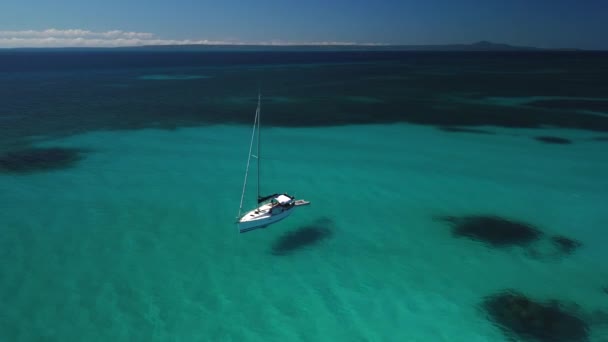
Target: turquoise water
138, 243
120, 185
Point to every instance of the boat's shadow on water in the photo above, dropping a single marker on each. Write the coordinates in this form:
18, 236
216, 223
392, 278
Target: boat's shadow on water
303, 237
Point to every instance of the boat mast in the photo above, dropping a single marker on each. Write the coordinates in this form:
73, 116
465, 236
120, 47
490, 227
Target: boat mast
259, 114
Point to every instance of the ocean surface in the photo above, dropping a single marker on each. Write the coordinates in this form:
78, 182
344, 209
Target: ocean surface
455, 196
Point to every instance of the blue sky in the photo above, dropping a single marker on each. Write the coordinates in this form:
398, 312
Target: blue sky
543, 23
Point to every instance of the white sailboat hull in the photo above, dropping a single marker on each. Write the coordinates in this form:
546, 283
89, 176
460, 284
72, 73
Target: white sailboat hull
261, 217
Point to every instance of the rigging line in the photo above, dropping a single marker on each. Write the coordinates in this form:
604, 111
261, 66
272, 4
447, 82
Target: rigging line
255, 121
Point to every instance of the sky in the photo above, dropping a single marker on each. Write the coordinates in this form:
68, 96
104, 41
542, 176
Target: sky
540, 23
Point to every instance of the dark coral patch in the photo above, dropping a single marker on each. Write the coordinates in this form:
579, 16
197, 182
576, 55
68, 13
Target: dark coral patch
521, 317
565, 245
553, 140
493, 230
456, 129
599, 105
303, 237
38, 159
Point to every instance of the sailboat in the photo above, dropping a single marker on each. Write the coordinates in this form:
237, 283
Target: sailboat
271, 208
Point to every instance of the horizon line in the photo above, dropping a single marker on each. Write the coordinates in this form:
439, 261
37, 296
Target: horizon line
369, 46
79, 38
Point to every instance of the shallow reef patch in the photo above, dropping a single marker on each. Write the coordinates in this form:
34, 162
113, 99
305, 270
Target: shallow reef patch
456, 129
565, 245
523, 318
493, 230
500, 232
599, 104
553, 140
37, 159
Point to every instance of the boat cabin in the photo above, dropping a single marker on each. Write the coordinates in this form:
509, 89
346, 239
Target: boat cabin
282, 200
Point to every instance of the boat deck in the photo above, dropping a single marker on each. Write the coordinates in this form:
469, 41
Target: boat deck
301, 202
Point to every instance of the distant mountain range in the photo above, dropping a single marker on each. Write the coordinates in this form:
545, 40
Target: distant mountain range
479, 46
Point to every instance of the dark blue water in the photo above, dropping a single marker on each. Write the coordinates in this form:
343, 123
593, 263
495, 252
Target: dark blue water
58, 92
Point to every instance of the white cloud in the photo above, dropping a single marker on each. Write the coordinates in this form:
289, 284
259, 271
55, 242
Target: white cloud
83, 38
73, 33
116, 38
